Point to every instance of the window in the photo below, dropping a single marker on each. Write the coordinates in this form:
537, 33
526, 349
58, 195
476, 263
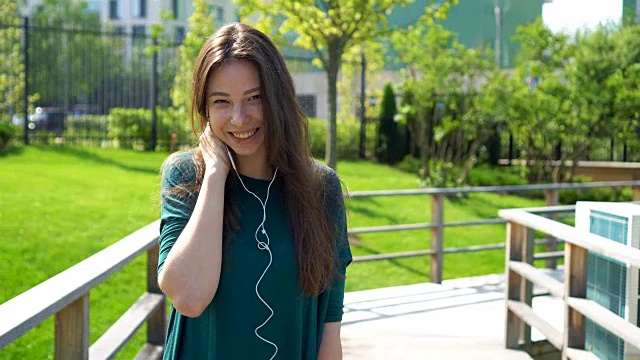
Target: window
113, 9
138, 35
139, 31
218, 15
180, 34
139, 8
93, 6
308, 104
177, 6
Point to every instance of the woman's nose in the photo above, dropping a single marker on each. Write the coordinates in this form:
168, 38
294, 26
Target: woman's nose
238, 118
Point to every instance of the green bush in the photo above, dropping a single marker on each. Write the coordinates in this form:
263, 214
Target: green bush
131, 128
409, 164
389, 144
81, 128
484, 175
348, 139
8, 133
570, 197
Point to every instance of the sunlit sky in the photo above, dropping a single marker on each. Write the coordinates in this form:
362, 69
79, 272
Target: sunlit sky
571, 15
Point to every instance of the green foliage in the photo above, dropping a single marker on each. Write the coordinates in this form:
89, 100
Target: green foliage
485, 175
88, 126
201, 26
11, 66
8, 133
444, 100
348, 141
329, 29
570, 197
131, 128
351, 77
567, 95
388, 143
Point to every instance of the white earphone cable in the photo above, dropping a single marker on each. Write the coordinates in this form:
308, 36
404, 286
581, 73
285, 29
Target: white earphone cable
262, 246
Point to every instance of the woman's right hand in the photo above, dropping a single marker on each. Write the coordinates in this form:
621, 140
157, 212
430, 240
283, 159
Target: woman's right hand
214, 152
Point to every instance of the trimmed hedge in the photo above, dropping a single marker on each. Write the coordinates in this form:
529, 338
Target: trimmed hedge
131, 128
8, 132
348, 141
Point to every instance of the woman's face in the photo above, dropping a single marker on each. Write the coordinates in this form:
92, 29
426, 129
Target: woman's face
235, 107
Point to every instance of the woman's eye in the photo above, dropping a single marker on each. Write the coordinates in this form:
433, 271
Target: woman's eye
220, 102
255, 98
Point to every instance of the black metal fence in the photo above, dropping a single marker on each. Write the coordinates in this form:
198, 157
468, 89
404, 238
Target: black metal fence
63, 84
602, 149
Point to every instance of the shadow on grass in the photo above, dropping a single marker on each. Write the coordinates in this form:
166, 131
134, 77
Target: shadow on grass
394, 262
89, 156
363, 206
12, 151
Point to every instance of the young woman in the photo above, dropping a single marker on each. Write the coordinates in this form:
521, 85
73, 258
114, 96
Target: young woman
253, 237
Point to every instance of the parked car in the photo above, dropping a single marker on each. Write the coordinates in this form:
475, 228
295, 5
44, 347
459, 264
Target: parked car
47, 119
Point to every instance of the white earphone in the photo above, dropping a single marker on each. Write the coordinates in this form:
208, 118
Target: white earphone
262, 245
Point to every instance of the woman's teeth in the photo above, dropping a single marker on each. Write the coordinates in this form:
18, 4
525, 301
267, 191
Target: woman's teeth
244, 135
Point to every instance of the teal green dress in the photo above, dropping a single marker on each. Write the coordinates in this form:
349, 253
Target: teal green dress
225, 330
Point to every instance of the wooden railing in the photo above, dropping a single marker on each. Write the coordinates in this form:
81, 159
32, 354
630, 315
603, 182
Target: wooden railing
522, 275
437, 224
66, 296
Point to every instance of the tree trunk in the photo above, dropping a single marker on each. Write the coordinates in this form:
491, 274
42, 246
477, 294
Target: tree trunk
424, 145
333, 67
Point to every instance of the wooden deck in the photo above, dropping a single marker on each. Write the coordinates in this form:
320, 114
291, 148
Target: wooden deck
460, 319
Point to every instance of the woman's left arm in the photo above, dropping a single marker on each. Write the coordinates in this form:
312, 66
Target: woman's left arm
330, 347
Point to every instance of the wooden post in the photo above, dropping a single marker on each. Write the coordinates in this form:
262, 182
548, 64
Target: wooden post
156, 324
72, 330
526, 287
519, 248
552, 199
575, 282
636, 193
437, 233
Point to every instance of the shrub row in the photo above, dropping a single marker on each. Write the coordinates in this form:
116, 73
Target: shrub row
348, 139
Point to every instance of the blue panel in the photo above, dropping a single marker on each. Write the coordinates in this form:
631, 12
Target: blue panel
606, 285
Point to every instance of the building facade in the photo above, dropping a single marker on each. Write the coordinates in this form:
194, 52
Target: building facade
137, 16
631, 9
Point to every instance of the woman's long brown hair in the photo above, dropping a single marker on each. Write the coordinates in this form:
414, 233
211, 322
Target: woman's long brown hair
288, 149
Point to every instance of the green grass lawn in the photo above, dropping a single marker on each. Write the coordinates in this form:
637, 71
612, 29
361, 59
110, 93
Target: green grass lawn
60, 205
378, 211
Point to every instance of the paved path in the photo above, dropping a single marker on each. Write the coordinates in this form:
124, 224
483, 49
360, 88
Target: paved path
460, 319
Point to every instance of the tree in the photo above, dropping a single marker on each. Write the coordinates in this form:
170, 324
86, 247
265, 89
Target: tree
67, 52
387, 143
329, 29
351, 78
539, 101
443, 97
604, 71
201, 26
11, 68
567, 96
